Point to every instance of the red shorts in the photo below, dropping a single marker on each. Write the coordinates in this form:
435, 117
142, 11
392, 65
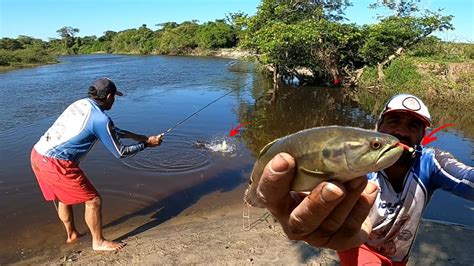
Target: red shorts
363, 255
61, 180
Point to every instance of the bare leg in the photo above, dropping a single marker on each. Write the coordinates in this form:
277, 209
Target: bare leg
93, 216
66, 215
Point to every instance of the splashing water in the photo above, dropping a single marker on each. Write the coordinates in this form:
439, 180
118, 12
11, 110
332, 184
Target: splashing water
221, 145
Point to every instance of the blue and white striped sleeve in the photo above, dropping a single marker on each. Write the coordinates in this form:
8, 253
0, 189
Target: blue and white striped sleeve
105, 131
452, 175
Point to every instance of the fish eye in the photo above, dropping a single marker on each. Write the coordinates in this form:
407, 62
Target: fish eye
375, 144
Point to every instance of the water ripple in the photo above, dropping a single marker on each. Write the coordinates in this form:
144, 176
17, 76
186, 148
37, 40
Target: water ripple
178, 154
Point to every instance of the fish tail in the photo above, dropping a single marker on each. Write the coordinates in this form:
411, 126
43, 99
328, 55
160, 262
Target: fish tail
250, 196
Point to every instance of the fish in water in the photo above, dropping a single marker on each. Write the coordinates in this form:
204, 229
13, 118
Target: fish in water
201, 144
213, 146
328, 153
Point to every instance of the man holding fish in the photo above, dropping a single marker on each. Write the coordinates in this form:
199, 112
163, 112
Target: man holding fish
373, 221
56, 156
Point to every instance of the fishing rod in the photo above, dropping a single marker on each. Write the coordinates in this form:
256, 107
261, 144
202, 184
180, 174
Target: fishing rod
195, 113
204, 107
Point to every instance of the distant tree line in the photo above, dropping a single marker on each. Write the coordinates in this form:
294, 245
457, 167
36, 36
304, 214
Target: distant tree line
170, 38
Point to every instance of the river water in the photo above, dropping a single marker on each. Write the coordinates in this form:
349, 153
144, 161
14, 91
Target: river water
159, 92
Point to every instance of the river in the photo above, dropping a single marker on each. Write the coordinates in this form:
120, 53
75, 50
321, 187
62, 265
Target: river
159, 92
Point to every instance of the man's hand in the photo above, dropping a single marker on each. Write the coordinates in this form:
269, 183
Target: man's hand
333, 215
153, 141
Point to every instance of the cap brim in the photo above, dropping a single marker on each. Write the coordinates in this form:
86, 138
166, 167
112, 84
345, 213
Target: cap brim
118, 93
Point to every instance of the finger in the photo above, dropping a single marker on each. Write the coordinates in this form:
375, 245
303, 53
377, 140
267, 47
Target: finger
315, 208
361, 210
337, 217
358, 225
274, 185
340, 241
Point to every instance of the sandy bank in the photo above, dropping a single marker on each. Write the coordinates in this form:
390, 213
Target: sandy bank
211, 232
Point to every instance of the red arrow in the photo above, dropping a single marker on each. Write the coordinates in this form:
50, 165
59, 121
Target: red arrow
430, 138
235, 131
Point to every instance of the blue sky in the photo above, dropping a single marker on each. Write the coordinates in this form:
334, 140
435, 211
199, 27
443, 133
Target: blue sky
41, 18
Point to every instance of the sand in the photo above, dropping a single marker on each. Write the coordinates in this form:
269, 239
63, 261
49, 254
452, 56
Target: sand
214, 232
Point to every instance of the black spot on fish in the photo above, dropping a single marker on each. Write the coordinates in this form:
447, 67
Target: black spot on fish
326, 153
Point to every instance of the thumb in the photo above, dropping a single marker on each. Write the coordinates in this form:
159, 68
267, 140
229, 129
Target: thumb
274, 184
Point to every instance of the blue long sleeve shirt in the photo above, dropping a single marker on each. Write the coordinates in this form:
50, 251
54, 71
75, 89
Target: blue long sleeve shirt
396, 216
78, 128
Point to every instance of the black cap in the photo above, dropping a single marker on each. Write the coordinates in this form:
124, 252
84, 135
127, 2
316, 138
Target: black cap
102, 87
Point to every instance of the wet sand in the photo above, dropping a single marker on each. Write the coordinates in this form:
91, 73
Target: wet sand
212, 232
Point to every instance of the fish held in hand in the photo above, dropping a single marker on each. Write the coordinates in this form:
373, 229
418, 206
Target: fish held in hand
327, 153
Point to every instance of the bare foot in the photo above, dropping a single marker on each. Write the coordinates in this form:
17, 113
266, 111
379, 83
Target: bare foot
105, 245
73, 237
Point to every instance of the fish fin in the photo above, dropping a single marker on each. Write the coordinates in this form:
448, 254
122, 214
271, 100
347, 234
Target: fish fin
265, 149
316, 173
306, 179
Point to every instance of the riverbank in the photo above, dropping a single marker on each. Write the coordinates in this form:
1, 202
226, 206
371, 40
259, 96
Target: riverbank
211, 232
231, 53
21, 66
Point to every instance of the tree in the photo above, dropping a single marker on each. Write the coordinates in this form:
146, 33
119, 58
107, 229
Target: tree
180, 39
67, 34
108, 36
216, 34
310, 35
167, 26
10, 44
291, 35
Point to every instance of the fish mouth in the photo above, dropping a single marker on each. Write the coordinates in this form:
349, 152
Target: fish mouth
389, 151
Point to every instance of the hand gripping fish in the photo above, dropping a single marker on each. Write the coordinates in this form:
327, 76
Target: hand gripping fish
328, 153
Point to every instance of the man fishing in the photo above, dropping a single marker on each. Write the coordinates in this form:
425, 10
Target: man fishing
56, 156
343, 216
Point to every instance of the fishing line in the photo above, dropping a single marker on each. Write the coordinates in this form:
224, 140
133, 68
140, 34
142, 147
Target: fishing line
204, 107
195, 113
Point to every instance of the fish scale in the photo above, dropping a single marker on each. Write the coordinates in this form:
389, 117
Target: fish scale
327, 153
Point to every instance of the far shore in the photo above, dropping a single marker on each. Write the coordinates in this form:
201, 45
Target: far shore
230, 53
21, 66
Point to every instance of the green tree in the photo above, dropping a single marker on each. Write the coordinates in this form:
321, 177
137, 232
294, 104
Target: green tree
180, 39
216, 34
237, 22
108, 36
67, 34
167, 26
401, 8
295, 35
393, 35
291, 35
10, 44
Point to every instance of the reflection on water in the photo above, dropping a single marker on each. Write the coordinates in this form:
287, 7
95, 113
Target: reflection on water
179, 155
442, 111
162, 182
295, 109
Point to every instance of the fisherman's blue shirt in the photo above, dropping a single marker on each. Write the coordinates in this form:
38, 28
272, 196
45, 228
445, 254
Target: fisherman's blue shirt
396, 215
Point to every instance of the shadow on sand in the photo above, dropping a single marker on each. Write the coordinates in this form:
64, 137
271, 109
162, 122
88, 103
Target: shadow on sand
173, 205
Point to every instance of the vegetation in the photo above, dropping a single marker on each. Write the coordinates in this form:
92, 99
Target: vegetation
306, 39
23, 51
